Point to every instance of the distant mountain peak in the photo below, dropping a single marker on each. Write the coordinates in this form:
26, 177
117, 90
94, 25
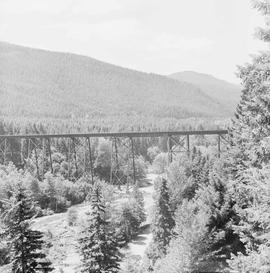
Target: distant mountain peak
224, 92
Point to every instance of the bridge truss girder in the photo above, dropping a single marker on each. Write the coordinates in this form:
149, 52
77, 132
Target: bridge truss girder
182, 144
39, 149
79, 152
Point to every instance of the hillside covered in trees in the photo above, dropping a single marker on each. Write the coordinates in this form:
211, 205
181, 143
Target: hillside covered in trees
38, 83
225, 93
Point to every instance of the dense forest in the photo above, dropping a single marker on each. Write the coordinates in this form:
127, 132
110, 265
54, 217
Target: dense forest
213, 87
43, 84
210, 213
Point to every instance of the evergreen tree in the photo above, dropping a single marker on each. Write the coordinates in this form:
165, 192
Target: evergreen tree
127, 219
250, 155
163, 220
138, 201
189, 248
251, 128
214, 200
255, 222
203, 235
128, 224
98, 247
251, 124
186, 175
103, 160
26, 244
162, 226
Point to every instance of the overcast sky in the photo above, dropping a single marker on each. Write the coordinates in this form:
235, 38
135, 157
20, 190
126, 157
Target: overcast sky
160, 36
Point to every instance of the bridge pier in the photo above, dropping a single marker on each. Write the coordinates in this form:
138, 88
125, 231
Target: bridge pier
133, 160
43, 156
75, 158
175, 146
188, 146
21, 152
115, 176
35, 145
90, 159
50, 154
169, 149
219, 149
5, 151
120, 157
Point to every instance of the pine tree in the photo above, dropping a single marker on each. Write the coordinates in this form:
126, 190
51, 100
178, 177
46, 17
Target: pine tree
138, 202
97, 244
214, 200
163, 219
251, 124
26, 244
254, 224
203, 235
162, 226
250, 153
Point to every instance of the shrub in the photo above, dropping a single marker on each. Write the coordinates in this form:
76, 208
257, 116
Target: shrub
254, 262
140, 168
160, 163
4, 254
131, 264
128, 223
137, 201
84, 187
57, 193
72, 216
188, 249
107, 191
74, 192
152, 152
128, 218
103, 160
47, 212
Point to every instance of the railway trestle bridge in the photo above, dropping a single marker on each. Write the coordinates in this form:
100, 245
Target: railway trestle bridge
79, 149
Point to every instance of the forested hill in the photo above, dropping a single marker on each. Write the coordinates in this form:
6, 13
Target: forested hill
226, 93
39, 83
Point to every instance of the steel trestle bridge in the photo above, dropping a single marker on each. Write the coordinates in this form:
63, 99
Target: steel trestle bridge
19, 148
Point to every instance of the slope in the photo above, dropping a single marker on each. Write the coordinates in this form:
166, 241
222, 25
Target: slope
226, 93
39, 83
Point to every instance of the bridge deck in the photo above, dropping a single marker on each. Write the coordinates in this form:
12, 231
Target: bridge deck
119, 134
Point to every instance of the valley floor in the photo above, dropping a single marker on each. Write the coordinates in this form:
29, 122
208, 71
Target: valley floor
138, 246
64, 247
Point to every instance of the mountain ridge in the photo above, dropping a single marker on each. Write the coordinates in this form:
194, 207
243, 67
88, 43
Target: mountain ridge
221, 90
36, 82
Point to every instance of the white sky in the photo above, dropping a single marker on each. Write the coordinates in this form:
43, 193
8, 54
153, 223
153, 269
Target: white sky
160, 36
